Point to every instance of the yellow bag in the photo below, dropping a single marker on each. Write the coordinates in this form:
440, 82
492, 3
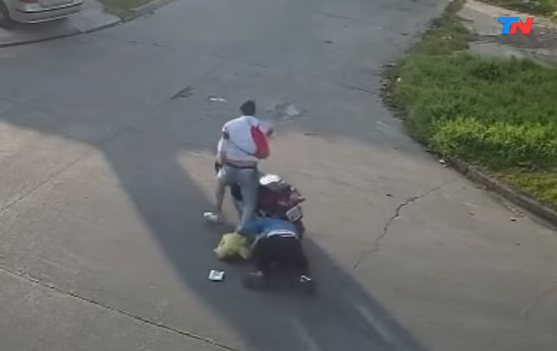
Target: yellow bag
233, 245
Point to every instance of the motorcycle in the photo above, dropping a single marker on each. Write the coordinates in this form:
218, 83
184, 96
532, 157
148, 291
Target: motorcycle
279, 199
275, 198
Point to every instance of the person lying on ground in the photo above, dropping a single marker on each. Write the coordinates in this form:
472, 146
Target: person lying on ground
276, 242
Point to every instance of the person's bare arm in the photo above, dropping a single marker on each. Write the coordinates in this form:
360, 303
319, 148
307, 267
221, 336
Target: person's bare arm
222, 146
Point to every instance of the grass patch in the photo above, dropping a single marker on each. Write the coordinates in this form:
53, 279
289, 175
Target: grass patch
539, 7
445, 35
123, 8
497, 113
541, 185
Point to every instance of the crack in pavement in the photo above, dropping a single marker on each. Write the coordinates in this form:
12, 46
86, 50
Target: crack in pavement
547, 290
377, 244
152, 323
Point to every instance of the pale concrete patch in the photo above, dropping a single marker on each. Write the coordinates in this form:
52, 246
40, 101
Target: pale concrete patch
481, 19
67, 322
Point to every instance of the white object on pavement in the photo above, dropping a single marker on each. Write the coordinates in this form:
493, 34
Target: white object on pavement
216, 276
211, 217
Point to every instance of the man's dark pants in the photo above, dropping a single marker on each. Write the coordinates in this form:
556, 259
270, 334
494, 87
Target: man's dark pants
286, 252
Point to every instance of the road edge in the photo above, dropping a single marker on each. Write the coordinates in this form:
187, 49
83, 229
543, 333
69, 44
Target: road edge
504, 190
135, 14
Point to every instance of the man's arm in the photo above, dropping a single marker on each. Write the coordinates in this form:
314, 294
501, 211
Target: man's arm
221, 153
223, 144
266, 127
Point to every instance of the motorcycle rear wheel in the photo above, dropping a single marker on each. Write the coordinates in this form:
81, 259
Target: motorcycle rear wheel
300, 228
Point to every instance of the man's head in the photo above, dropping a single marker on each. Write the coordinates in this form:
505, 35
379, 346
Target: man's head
248, 108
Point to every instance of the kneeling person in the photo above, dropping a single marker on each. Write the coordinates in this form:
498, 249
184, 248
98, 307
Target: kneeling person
276, 242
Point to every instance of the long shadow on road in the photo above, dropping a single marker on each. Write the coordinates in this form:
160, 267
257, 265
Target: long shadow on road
342, 316
169, 201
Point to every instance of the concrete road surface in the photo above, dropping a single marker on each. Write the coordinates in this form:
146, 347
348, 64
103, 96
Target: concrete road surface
106, 150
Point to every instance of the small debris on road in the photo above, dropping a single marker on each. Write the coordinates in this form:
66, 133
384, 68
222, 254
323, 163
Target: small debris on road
389, 195
513, 219
443, 162
286, 111
216, 276
328, 42
291, 111
217, 99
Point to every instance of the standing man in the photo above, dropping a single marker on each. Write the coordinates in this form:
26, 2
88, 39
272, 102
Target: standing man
242, 145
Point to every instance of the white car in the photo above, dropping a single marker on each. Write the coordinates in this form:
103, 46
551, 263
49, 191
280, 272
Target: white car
36, 11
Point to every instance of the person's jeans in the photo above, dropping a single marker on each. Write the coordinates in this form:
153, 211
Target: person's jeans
248, 180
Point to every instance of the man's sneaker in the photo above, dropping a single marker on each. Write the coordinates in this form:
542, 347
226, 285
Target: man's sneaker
211, 217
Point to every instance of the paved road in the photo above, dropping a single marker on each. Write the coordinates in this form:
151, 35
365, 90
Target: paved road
106, 168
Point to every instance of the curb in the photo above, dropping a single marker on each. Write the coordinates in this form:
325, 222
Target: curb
504, 190
134, 14
146, 9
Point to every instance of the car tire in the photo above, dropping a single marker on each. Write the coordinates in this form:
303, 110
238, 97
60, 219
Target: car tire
6, 21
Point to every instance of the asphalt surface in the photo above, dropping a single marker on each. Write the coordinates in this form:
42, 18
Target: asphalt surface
106, 144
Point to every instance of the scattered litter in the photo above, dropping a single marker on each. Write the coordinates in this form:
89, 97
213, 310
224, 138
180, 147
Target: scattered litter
443, 162
291, 111
285, 111
233, 245
398, 80
217, 99
216, 276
